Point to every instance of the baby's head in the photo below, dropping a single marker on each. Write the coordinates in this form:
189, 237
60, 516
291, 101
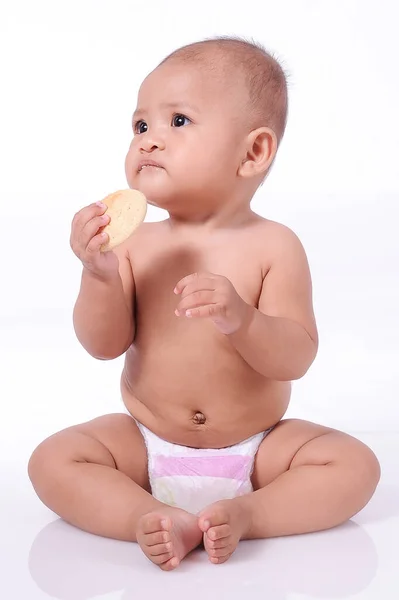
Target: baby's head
212, 114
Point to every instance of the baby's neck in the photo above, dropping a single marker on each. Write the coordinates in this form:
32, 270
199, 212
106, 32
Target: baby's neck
223, 219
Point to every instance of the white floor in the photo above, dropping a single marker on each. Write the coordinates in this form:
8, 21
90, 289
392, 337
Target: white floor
43, 557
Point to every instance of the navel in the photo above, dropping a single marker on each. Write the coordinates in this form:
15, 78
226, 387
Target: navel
199, 418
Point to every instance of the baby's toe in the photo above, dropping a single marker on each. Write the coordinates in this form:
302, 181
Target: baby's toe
218, 560
170, 564
213, 516
159, 549
162, 559
218, 532
216, 544
221, 552
159, 537
153, 523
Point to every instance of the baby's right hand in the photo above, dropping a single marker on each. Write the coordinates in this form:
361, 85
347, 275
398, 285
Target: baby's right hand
86, 240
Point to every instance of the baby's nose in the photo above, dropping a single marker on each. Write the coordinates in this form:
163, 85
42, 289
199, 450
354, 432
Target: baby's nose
150, 142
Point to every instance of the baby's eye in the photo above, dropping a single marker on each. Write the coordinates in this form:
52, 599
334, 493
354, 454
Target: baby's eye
140, 127
180, 121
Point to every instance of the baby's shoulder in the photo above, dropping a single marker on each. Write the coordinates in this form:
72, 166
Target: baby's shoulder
146, 240
147, 233
277, 246
275, 234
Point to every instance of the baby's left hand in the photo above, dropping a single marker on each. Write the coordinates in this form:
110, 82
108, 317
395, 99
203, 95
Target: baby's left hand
206, 295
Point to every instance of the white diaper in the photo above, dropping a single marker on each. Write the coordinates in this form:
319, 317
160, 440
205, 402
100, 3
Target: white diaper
193, 478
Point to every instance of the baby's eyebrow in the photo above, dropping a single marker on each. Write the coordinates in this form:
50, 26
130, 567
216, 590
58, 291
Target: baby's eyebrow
181, 106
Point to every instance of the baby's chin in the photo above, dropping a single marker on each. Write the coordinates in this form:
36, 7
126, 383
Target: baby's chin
167, 196
160, 199
162, 196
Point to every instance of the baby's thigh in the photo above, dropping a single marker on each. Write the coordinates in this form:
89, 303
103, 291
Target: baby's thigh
294, 443
112, 440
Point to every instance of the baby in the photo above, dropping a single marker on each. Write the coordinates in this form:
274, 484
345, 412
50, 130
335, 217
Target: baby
213, 308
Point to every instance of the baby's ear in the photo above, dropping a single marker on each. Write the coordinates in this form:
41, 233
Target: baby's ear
261, 150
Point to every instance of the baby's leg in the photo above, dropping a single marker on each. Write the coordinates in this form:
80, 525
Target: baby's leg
94, 476
306, 478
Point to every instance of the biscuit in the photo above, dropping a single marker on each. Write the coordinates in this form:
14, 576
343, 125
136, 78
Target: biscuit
127, 210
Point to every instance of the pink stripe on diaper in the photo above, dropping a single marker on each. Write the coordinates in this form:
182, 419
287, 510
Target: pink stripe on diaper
232, 467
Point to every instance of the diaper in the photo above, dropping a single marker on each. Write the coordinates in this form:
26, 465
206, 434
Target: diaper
193, 478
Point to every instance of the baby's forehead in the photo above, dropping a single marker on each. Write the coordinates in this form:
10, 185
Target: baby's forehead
190, 83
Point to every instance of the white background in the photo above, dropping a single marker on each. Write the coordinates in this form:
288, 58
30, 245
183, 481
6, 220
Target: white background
70, 72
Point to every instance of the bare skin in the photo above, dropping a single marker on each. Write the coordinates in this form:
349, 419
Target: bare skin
160, 258
234, 368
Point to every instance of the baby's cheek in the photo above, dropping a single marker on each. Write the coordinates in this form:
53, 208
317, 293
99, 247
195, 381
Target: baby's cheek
129, 167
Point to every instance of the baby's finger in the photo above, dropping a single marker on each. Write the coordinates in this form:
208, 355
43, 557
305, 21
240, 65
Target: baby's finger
91, 229
199, 285
95, 244
203, 312
87, 213
200, 298
80, 235
195, 281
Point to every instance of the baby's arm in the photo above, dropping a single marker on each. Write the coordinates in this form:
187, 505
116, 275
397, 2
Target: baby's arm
103, 314
281, 339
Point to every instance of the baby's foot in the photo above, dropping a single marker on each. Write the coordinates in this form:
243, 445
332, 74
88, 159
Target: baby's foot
166, 536
224, 523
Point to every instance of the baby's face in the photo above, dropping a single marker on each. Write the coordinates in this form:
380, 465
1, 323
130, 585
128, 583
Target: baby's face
193, 127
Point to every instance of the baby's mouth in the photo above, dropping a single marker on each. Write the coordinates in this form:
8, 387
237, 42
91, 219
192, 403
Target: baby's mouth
147, 164
149, 167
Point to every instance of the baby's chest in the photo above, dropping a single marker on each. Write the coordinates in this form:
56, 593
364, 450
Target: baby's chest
157, 273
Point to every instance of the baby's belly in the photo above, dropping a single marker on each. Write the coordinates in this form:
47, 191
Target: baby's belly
204, 396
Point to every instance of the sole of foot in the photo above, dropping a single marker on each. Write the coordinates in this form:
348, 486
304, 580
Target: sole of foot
223, 524
166, 536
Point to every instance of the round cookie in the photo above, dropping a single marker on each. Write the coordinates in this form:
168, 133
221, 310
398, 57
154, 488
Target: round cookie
127, 209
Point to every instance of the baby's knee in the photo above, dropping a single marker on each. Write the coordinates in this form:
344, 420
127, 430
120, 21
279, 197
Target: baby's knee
49, 458
40, 460
53, 457
367, 467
